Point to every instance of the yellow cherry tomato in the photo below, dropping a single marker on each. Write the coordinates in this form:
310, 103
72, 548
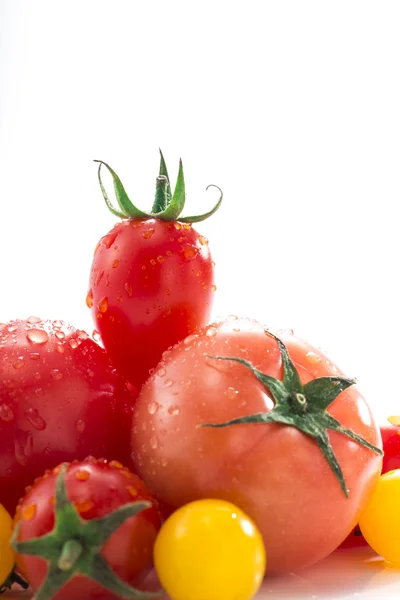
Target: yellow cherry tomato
210, 550
7, 556
380, 521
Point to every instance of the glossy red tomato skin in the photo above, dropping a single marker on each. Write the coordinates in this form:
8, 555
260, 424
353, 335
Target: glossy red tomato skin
151, 284
96, 487
60, 399
391, 460
276, 474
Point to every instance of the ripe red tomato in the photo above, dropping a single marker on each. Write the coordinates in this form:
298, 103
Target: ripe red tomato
151, 281
272, 470
91, 525
60, 399
390, 433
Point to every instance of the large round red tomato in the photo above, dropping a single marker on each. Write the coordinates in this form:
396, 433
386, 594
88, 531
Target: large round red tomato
303, 479
151, 281
60, 399
86, 530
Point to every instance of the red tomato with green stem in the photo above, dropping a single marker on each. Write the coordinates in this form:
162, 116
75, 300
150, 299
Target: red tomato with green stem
152, 278
293, 442
86, 530
60, 399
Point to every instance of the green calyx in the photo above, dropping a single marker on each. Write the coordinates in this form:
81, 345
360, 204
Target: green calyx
74, 547
167, 206
301, 406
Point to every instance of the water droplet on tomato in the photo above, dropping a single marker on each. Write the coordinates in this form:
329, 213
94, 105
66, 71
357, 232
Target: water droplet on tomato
57, 324
6, 412
19, 362
189, 252
116, 464
190, 339
164, 461
168, 382
39, 392
109, 239
152, 408
23, 445
82, 475
115, 264
89, 299
103, 305
168, 253
37, 336
312, 357
73, 342
213, 288
32, 415
173, 410
80, 426
132, 491
152, 261
211, 331
203, 241
177, 226
147, 234
160, 259
84, 505
60, 349
153, 442
96, 335
56, 374
128, 289
47, 451
231, 393
29, 511
12, 327
161, 372
33, 320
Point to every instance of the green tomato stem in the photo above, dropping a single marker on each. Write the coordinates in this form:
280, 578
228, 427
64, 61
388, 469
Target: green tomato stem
70, 553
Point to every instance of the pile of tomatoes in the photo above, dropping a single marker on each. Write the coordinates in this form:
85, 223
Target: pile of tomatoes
214, 452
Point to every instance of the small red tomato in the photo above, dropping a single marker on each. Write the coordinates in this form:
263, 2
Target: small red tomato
86, 530
390, 432
152, 279
60, 399
268, 424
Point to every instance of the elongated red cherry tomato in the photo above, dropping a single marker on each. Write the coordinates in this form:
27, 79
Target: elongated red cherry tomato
152, 279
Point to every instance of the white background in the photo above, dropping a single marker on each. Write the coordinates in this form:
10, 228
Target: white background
293, 108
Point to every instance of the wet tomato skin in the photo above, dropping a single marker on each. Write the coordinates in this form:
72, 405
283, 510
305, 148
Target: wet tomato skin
151, 284
391, 460
274, 473
60, 399
96, 487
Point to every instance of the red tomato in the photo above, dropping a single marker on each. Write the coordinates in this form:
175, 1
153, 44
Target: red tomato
60, 399
390, 432
151, 281
90, 489
273, 471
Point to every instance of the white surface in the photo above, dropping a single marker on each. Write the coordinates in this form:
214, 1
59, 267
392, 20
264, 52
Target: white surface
291, 107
